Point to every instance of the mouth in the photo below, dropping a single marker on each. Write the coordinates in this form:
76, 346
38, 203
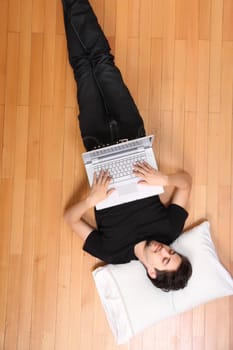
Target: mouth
157, 247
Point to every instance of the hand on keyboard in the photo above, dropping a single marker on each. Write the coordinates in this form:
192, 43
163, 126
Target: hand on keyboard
149, 175
99, 190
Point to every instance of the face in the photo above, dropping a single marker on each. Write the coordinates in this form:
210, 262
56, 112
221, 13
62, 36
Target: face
161, 257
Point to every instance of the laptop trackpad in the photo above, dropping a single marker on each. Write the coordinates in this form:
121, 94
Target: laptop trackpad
127, 189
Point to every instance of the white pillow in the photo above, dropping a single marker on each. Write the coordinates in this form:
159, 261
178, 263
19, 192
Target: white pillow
132, 303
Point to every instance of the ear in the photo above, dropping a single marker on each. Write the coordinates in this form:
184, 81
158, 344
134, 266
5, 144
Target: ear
152, 272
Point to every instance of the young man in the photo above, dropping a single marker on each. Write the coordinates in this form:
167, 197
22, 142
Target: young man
142, 229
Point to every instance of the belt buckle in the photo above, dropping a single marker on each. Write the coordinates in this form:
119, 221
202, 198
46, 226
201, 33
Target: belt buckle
123, 140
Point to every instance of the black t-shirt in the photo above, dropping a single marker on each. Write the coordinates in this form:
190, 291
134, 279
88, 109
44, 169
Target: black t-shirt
123, 226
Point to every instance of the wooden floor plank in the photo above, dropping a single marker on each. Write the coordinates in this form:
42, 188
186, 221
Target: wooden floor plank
13, 298
131, 66
204, 19
144, 57
14, 16
213, 164
178, 104
225, 125
110, 18
6, 190
19, 181
71, 91
159, 13
10, 106
65, 241
168, 74
75, 306
121, 36
133, 18
38, 10
227, 20
155, 88
192, 59
34, 127
2, 113
27, 264
210, 325
223, 318
163, 25
215, 56
202, 113
190, 164
60, 29
3, 51
24, 52
99, 9
24, 69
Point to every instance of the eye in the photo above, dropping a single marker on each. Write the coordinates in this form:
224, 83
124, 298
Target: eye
172, 252
166, 261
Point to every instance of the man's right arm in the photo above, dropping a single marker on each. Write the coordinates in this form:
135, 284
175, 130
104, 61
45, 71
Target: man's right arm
74, 215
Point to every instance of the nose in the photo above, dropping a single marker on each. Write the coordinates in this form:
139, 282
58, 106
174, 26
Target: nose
165, 252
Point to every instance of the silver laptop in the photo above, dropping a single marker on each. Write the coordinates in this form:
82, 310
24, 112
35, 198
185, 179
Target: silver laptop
119, 160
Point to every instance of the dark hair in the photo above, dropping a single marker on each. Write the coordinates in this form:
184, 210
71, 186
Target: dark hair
173, 280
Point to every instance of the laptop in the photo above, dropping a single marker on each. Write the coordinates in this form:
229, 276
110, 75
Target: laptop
119, 159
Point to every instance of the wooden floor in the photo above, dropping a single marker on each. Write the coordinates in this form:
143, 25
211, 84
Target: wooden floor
177, 58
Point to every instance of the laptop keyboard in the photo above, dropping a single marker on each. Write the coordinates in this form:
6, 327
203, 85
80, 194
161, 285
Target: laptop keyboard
120, 169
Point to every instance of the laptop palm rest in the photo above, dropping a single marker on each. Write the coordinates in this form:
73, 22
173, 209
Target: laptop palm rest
127, 189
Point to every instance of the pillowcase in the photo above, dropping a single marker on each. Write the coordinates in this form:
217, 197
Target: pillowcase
132, 303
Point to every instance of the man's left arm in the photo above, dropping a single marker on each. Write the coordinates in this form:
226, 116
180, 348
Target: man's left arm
181, 182
74, 218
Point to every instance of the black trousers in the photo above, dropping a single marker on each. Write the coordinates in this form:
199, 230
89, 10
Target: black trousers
107, 110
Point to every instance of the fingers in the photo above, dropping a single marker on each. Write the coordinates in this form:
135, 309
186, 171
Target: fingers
147, 165
94, 179
142, 168
103, 178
